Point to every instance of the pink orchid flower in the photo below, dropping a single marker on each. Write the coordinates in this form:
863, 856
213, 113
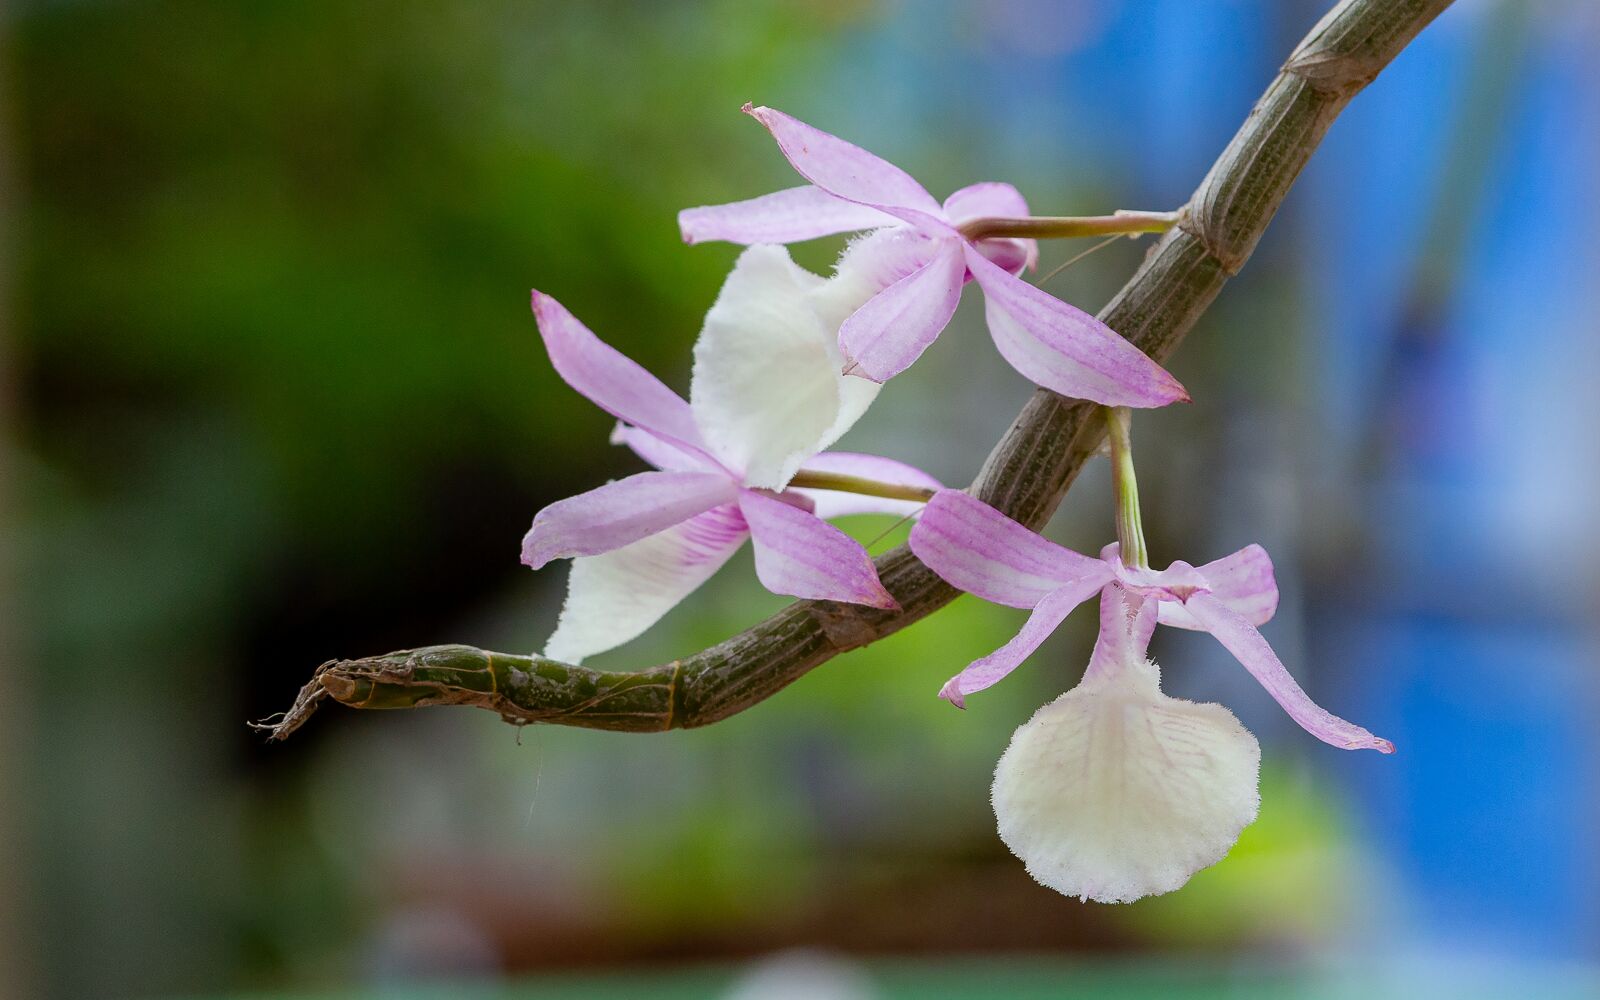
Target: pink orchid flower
641, 544
1050, 342
1116, 791
978, 549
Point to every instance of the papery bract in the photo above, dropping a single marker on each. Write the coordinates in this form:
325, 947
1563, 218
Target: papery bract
1052, 343
641, 544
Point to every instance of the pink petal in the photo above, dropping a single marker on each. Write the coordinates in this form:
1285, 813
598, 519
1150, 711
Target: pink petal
1065, 349
615, 596
1175, 583
1049, 614
986, 200
800, 555
850, 172
1127, 622
610, 379
1251, 649
891, 331
828, 504
621, 512
1242, 581
788, 216
659, 451
980, 550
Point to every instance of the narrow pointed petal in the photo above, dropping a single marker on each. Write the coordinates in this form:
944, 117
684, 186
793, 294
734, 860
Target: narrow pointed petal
1251, 649
891, 331
850, 172
986, 200
989, 670
621, 512
1065, 349
614, 597
980, 550
767, 391
661, 452
789, 216
610, 379
799, 555
1115, 791
828, 504
1243, 581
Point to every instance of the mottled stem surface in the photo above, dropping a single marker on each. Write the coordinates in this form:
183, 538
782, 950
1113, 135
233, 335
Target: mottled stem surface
1026, 475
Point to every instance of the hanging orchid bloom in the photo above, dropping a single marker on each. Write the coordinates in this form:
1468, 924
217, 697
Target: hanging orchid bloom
980, 550
1116, 791
641, 544
913, 275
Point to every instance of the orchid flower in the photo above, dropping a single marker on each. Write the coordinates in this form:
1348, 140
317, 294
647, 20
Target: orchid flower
641, 544
1115, 791
980, 550
914, 275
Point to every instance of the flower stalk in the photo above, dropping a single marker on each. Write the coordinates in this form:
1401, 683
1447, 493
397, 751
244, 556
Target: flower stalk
1061, 227
1130, 525
811, 479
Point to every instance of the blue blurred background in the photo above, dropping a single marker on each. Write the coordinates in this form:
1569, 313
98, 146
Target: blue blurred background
273, 395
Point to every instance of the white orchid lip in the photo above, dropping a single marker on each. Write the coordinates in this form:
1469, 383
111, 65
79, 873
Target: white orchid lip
1115, 791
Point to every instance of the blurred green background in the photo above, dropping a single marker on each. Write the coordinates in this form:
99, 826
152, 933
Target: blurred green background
276, 397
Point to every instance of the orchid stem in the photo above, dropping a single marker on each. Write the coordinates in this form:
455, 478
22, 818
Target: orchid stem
1130, 524
1059, 227
813, 480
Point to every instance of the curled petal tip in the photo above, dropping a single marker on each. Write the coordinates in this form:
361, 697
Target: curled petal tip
751, 110
883, 600
531, 556
1383, 746
952, 693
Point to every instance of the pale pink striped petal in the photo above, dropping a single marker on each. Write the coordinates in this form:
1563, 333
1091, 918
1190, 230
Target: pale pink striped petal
850, 172
884, 337
978, 549
1243, 581
614, 597
828, 504
1251, 649
621, 512
800, 555
611, 380
1175, 583
986, 200
792, 215
659, 451
1049, 614
1065, 349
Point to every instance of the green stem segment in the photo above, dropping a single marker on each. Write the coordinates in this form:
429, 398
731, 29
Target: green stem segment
1130, 525
1060, 227
813, 480
1025, 477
